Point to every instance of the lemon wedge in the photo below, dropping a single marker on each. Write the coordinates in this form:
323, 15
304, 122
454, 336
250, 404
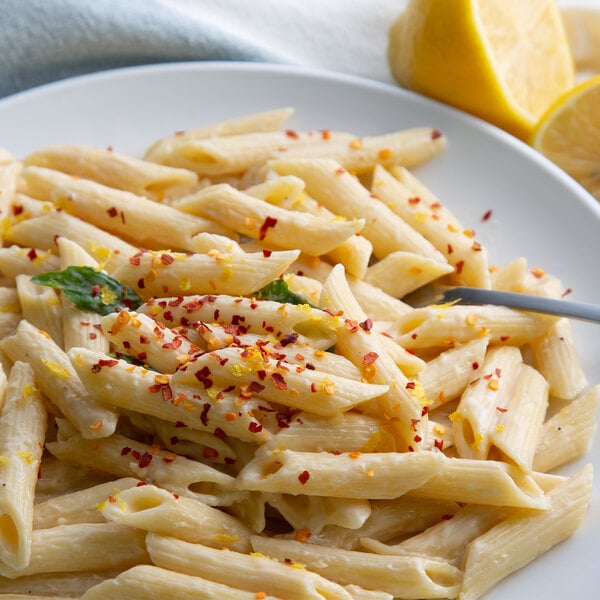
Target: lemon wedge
505, 62
569, 134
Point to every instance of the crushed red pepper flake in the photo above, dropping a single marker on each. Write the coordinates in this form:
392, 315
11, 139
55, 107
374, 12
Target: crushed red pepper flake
268, 223
304, 477
486, 215
459, 266
369, 358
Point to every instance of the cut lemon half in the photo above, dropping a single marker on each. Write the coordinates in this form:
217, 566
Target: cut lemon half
569, 134
504, 61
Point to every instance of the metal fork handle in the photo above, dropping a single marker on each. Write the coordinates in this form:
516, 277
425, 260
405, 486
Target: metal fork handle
551, 306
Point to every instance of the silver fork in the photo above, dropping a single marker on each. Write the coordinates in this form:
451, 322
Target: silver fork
478, 296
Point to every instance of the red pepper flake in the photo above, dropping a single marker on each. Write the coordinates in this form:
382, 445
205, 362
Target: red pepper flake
141, 483
166, 259
439, 444
135, 259
210, 452
145, 460
459, 266
17, 209
424, 411
366, 325
504, 338
447, 517
125, 451
418, 438
32, 254
414, 423
369, 358
486, 215
140, 283
435, 134
475, 365
476, 247
313, 387
498, 372
288, 339
302, 535
291, 133
267, 253
112, 211
326, 134
96, 289
303, 477
255, 387
254, 427
351, 325
414, 200
501, 409
204, 414
278, 381
410, 385
450, 248
268, 222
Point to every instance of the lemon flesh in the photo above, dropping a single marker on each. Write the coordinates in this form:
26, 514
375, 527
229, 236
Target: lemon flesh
569, 134
505, 61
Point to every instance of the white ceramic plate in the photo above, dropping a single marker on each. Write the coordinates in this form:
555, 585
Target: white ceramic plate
537, 211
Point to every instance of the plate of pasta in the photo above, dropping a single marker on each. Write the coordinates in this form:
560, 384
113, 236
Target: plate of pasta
213, 384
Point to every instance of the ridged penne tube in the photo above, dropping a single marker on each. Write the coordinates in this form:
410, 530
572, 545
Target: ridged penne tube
204, 242
404, 403
22, 431
519, 427
409, 577
569, 433
288, 192
118, 383
447, 539
310, 390
410, 200
153, 583
80, 506
234, 154
488, 482
557, 359
43, 231
345, 432
389, 520
294, 349
400, 273
58, 380
251, 572
517, 540
446, 376
476, 415
141, 221
409, 147
171, 149
163, 273
149, 341
120, 171
80, 327
52, 586
255, 316
126, 457
340, 192
154, 509
313, 513
382, 475
41, 306
126, 549
266, 222
19, 260
443, 326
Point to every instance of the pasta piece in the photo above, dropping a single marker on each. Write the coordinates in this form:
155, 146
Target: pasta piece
569, 433
154, 509
128, 173
126, 549
16, 260
126, 457
10, 172
135, 218
153, 583
43, 231
274, 225
340, 192
406, 197
58, 381
163, 273
172, 149
22, 430
522, 537
118, 383
251, 572
79, 327
382, 475
401, 576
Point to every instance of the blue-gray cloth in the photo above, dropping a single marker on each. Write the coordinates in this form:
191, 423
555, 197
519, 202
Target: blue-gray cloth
46, 40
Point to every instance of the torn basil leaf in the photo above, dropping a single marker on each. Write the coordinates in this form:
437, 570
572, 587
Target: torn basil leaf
278, 291
90, 289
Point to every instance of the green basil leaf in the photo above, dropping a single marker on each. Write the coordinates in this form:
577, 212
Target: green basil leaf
90, 289
279, 291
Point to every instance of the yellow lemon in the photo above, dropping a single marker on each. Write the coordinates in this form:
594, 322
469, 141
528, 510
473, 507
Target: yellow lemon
569, 134
505, 61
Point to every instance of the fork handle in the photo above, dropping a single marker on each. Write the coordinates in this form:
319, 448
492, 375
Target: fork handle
552, 306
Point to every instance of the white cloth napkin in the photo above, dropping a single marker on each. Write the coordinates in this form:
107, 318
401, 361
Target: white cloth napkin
46, 40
